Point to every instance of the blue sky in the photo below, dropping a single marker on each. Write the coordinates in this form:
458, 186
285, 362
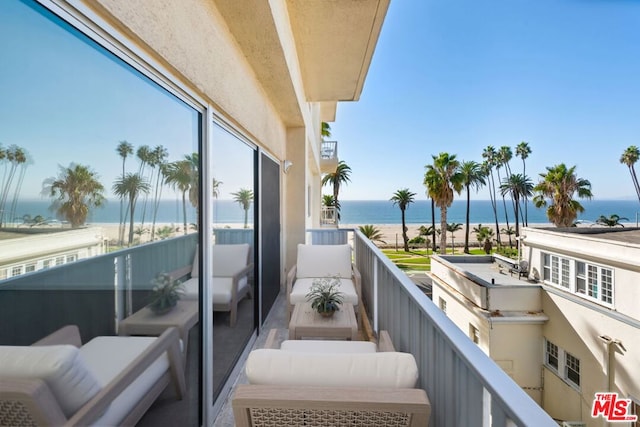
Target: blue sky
457, 76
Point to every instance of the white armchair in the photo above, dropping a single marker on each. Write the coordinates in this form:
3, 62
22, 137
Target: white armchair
230, 281
317, 261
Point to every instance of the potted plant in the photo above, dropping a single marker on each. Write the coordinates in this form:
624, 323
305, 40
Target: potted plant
325, 296
165, 294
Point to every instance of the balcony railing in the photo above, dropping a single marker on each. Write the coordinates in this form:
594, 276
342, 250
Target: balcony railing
328, 216
328, 156
464, 385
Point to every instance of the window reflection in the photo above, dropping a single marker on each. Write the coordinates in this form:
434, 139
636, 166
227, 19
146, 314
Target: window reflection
234, 252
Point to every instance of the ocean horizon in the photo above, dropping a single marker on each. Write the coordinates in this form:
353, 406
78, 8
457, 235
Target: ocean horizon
352, 212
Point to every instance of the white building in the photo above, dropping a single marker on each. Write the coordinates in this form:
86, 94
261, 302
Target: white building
569, 331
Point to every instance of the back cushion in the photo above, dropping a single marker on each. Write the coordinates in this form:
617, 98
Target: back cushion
324, 261
61, 367
280, 367
229, 259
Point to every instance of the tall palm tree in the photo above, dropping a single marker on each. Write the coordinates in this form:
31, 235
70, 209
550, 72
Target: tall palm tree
489, 155
403, 198
452, 228
244, 197
629, 158
336, 179
22, 160
523, 150
433, 225
472, 176
15, 156
518, 186
124, 150
372, 233
503, 157
179, 175
131, 186
442, 178
559, 185
76, 191
158, 161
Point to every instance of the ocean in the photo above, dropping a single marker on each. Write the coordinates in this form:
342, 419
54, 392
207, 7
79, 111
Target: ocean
352, 212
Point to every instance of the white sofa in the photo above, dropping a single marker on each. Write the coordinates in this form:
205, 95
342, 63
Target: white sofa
109, 381
230, 281
318, 261
327, 383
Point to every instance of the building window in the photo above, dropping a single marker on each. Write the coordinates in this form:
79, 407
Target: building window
552, 355
16, 270
572, 366
443, 304
563, 364
588, 280
474, 334
3, 273
72, 258
30, 267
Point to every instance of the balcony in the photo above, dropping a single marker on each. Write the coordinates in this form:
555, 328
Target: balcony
465, 387
329, 216
328, 156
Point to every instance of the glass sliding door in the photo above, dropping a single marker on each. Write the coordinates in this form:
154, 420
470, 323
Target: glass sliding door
99, 193
234, 283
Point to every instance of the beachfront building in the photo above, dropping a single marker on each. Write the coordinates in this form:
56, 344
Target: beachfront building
28, 250
205, 102
571, 330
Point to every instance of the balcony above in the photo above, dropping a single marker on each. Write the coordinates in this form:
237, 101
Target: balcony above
328, 156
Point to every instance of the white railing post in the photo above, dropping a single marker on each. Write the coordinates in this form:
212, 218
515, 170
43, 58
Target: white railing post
375, 292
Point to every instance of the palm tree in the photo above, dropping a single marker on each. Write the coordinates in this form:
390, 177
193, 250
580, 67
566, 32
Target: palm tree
484, 235
523, 150
22, 160
490, 156
442, 178
158, 160
325, 132
559, 184
372, 233
504, 155
452, 228
510, 231
629, 158
403, 198
124, 150
180, 175
244, 197
130, 186
16, 157
433, 225
336, 179
612, 221
472, 176
76, 190
518, 186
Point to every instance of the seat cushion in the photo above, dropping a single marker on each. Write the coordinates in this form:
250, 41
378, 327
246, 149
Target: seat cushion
301, 288
324, 261
229, 259
221, 289
107, 357
328, 346
278, 367
61, 367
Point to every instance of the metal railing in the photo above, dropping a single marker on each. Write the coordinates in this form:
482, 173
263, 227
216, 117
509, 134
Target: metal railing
329, 150
465, 387
328, 216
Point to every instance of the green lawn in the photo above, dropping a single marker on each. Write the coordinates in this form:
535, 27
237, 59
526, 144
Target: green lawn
414, 260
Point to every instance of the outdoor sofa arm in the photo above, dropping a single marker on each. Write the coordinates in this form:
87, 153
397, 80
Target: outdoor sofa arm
69, 335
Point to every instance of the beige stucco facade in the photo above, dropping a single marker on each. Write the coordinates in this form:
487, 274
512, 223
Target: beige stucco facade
516, 318
273, 69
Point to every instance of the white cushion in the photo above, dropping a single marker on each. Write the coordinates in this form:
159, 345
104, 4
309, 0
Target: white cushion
61, 367
328, 346
229, 259
324, 261
221, 289
107, 357
386, 370
301, 288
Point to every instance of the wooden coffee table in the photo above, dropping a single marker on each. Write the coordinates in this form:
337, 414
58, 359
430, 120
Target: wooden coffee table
184, 316
306, 322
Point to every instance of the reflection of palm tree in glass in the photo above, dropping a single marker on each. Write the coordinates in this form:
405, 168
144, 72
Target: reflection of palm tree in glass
182, 175
145, 155
15, 156
76, 190
244, 197
124, 150
158, 160
130, 186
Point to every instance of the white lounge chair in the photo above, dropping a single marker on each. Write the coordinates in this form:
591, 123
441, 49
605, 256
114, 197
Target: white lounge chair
108, 381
